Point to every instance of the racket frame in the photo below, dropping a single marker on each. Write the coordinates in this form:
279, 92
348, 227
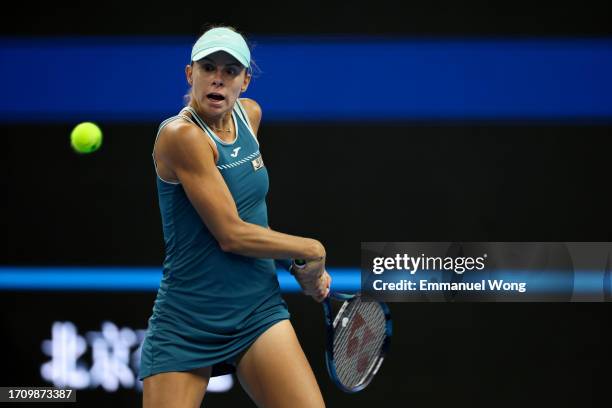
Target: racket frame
329, 342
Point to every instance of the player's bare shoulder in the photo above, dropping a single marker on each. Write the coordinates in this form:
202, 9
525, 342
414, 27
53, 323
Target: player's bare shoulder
253, 110
180, 139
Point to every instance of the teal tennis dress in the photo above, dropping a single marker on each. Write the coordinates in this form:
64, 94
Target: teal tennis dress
211, 305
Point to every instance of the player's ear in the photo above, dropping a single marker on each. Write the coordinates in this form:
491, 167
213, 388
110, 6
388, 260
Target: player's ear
188, 73
246, 82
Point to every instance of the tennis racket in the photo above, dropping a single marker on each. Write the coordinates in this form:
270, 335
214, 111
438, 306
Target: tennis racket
357, 338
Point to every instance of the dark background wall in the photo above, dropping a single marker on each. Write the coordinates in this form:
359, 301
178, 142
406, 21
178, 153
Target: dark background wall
365, 182
440, 17
400, 181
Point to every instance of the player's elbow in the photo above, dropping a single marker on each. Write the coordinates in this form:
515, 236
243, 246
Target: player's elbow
229, 240
228, 244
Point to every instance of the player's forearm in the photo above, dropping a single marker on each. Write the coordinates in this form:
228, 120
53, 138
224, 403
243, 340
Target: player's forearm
258, 242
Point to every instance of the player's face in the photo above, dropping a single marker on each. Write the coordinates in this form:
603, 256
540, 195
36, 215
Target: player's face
217, 81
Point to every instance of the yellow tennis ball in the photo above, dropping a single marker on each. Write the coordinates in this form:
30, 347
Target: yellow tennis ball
86, 137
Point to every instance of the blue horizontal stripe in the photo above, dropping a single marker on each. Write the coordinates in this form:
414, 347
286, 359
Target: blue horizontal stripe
315, 79
130, 279
344, 279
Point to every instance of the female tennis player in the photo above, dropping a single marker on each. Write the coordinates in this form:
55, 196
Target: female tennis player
219, 309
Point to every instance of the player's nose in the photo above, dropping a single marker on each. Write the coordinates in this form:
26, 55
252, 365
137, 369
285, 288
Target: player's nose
218, 77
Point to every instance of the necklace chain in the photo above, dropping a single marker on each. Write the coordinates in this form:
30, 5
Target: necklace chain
222, 130
229, 129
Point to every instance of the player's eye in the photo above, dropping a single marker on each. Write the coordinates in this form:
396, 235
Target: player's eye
231, 71
209, 67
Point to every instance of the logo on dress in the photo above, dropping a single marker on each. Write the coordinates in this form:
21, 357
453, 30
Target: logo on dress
235, 152
257, 163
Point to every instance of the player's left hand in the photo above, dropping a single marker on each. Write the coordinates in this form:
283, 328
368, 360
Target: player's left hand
323, 288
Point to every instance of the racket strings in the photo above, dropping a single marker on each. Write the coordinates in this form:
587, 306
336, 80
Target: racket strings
358, 339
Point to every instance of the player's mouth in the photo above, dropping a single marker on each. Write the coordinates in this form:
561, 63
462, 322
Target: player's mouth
215, 98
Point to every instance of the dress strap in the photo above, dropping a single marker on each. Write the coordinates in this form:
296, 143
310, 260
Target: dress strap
241, 113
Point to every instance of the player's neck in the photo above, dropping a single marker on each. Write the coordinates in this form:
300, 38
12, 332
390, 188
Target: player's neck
221, 123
